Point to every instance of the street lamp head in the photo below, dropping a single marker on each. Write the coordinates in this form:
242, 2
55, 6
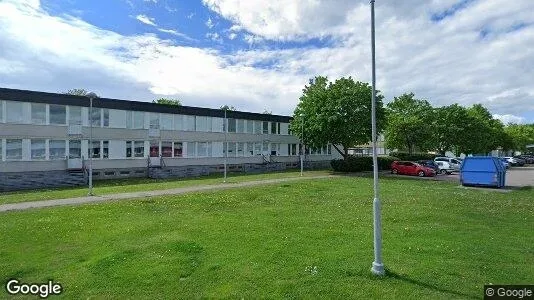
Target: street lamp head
91, 95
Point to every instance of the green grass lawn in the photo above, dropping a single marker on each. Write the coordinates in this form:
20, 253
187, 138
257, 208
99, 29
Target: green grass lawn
104, 187
300, 239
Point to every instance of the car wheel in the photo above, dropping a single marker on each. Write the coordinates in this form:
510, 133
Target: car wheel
449, 173
395, 171
443, 171
421, 174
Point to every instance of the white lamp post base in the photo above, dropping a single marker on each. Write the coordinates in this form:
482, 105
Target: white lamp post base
378, 269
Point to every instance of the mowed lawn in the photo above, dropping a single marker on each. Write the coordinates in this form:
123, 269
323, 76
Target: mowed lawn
105, 187
300, 239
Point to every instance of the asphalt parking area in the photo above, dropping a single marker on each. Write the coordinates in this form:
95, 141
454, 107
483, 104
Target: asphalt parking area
515, 176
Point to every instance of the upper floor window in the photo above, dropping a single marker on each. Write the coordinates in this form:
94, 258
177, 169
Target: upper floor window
94, 116
250, 126
38, 113
75, 115
166, 121
203, 123
58, 114
232, 125
105, 117
257, 127
265, 127
240, 125
138, 120
1, 112
154, 120
14, 112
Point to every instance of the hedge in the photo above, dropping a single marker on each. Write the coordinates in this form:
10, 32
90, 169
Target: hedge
413, 156
361, 163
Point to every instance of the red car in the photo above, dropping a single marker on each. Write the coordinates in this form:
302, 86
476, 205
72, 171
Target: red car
411, 168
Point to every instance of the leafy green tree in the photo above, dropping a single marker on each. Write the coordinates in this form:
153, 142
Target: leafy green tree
521, 135
408, 124
483, 133
336, 112
77, 92
167, 101
228, 108
449, 128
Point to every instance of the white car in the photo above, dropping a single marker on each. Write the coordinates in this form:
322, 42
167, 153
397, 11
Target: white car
444, 167
454, 163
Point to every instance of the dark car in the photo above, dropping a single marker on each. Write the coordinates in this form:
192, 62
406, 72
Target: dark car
529, 159
429, 163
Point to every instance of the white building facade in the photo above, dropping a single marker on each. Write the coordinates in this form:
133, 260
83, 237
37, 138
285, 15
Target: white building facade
45, 137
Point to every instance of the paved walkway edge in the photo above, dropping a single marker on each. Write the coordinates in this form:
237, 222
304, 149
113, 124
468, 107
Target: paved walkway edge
145, 194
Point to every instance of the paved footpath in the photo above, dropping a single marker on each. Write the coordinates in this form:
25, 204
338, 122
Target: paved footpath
176, 191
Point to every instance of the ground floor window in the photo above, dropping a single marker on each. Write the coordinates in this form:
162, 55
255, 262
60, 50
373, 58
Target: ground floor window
14, 149
139, 149
75, 149
154, 149
191, 149
250, 148
166, 149
178, 149
56, 149
38, 149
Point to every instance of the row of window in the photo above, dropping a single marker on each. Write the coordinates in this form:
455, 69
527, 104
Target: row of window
52, 114
48, 149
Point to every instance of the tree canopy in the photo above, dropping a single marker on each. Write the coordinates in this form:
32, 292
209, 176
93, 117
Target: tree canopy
408, 125
337, 112
520, 135
167, 101
228, 107
77, 92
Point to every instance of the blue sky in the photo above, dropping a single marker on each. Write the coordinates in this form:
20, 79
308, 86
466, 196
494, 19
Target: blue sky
257, 55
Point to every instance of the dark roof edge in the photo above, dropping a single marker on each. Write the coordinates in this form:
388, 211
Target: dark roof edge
64, 99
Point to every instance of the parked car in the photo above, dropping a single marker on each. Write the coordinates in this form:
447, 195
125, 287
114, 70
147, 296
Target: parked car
505, 162
455, 163
529, 159
411, 168
515, 161
444, 167
429, 163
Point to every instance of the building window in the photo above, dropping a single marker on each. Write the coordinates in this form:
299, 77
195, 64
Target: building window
232, 125
241, 126
231, 149
250, 126
154, 121
189, 123
95, 116
129, 146
1, 116
166, 149
274, 127
56, 149
1, 154
154, 149
250, 149
265, 147
178, 122
202, 149
265, 127
75, 149
257, 148
94, 150
166, 121
178, 149
105, 117
203, 123
105, 149
240, 149
58, 114
14, 112
329, 149
138, 120
275, 148
257, 127
75, 115
38, 149
191, 149
38, 113
13, 149
139, 149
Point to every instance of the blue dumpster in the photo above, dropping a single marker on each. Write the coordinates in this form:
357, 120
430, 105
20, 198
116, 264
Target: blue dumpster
482, 171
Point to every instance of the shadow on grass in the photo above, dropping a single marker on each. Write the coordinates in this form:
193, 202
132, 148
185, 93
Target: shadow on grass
392, 275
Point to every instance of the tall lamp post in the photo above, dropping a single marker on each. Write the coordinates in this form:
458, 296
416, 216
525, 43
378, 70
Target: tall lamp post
225, 147
302, 148
377, 266
91, 96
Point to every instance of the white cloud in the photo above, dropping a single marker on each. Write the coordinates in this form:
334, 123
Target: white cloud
214, 36
209, 23
443, 62
506, 119
146, 20
232, 36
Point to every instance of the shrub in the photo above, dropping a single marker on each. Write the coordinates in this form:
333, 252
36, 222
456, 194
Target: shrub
413, 156
361, 163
